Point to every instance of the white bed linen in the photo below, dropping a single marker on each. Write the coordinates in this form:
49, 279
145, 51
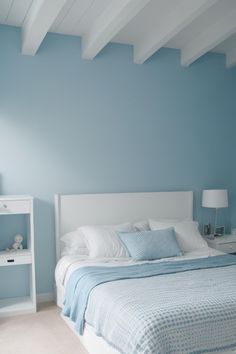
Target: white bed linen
68, 264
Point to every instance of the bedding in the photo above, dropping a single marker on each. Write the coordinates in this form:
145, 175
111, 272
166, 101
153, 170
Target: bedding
74, 244
192, 318
126, 312
68, 264
103, 241
74, 250
151, 245
187, 233
142, 225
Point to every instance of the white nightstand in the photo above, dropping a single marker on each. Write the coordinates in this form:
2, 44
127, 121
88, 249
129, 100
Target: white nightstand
225, 243
19, 205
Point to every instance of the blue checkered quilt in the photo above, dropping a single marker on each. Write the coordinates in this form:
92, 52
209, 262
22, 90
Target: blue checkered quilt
182, 307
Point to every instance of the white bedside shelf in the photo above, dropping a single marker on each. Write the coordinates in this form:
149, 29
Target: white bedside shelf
16, 306
15, 205
15, 258
19, 205
226, 243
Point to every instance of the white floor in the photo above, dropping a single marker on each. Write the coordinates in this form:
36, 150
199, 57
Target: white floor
41, 333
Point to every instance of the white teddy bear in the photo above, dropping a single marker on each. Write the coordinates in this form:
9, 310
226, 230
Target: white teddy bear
17, 245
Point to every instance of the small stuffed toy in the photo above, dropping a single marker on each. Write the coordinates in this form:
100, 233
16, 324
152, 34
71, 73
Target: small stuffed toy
17, 245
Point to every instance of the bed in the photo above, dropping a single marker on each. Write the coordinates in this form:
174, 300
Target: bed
121, 301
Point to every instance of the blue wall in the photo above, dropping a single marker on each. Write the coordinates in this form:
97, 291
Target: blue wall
73, 126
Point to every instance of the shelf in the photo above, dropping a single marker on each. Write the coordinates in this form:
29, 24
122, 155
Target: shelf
16, 306
15, 258
15, 197
14, 206
22, 205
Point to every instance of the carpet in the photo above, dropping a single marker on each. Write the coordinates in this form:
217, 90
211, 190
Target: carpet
43, 332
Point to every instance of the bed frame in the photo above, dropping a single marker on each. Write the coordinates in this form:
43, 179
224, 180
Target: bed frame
72, 211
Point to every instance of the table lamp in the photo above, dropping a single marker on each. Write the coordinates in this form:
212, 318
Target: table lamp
215, 198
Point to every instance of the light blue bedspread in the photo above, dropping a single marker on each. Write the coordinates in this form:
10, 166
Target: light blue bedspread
155, 318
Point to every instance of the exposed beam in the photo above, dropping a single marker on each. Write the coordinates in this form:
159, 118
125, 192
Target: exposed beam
231, 58
208, 39
117, 15
37, 23
181, 17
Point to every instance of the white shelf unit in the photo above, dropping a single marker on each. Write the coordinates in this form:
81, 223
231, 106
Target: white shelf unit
24, 205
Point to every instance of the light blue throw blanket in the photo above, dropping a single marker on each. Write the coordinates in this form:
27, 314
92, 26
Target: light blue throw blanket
85, 279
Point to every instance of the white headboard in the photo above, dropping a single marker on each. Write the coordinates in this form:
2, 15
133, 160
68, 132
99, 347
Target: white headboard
72, 211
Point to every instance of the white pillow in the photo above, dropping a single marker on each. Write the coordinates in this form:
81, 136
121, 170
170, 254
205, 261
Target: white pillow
187, 233
103, 241
142, 225
74, 244
75, 237
72, 251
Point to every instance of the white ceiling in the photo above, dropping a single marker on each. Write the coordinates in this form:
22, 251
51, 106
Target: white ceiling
193, 26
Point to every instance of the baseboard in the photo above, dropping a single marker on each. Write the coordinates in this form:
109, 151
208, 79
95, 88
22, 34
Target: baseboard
45, 297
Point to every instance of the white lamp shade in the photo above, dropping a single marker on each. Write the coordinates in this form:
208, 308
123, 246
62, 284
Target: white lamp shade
215, 198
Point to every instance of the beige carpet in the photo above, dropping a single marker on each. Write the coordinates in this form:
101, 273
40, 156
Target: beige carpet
41, 333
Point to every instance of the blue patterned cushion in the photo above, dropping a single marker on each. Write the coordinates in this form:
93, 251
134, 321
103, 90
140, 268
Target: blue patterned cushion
150, 245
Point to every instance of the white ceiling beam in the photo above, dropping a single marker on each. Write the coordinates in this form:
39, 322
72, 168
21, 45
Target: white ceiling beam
185, 13
231, 58
39, 19
117, 15
208, 39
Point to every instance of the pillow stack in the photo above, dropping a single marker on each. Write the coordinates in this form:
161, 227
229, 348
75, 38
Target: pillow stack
144, 240
101, 241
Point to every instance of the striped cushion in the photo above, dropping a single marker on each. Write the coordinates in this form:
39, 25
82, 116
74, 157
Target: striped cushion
150, 245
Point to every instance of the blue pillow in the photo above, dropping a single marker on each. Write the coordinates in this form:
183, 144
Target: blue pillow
150, 245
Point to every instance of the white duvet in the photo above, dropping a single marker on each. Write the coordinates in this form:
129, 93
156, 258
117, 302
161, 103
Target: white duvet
68, 264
